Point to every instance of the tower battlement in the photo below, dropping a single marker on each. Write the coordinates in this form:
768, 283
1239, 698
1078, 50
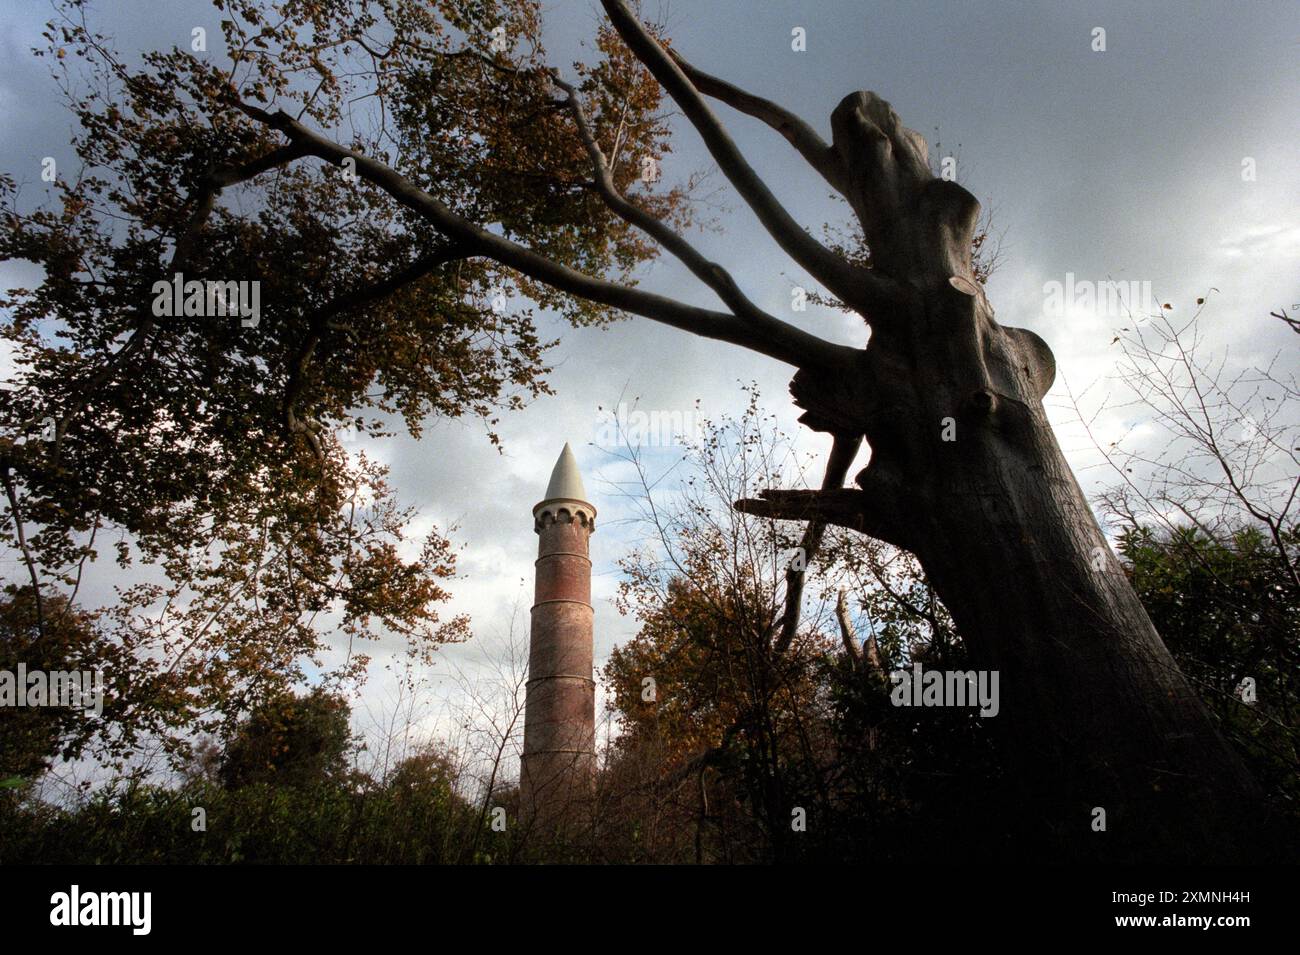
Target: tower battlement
564, 512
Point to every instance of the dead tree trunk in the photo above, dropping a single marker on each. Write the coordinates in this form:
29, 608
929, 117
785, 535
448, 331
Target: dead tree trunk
965, 472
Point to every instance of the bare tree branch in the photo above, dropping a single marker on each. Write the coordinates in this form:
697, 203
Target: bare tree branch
818, 153
845, 507
843, 451
861, 288
1292, 323
710, 273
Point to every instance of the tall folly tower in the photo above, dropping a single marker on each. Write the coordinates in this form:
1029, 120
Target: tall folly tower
559, 759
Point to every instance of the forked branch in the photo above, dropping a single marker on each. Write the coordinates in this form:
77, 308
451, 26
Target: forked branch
800, 135
710, 273
860, 288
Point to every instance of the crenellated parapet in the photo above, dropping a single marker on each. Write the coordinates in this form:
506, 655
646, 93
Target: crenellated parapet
564, 511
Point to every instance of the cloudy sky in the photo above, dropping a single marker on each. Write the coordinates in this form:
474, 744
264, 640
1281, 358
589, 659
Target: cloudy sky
1124, 165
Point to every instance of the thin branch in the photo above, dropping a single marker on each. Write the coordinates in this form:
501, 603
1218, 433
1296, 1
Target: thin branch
710, 273
1292, 323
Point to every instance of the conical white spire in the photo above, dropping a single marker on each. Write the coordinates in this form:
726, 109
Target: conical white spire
566, 498
566, 482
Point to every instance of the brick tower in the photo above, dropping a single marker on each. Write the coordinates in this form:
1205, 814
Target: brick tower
558, 767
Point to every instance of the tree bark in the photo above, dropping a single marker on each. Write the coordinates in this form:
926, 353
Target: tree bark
1093, 708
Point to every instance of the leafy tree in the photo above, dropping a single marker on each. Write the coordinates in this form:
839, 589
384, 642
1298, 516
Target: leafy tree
30, 737
58, 637
721, 702
290, 741
211, 450
1228, 613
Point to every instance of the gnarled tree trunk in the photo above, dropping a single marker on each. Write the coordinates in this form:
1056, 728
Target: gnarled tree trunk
966, 473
